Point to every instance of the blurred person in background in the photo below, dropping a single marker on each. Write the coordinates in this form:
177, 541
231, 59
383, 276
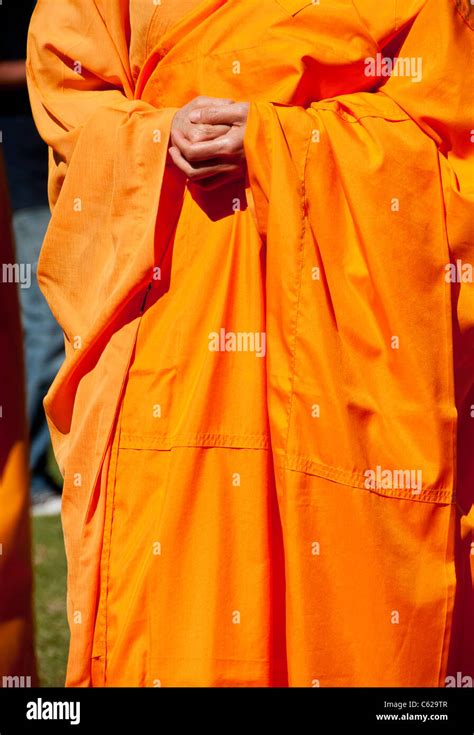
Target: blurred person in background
17, 664
26, 161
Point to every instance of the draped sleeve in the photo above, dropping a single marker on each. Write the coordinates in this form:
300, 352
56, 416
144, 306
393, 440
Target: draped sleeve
107, 160
365, 200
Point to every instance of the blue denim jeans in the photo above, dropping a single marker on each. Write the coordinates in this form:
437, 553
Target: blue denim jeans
43, 340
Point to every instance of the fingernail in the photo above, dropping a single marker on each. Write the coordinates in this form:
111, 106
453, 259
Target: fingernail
195, 116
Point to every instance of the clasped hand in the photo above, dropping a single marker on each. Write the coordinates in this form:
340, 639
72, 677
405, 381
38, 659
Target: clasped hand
207, 140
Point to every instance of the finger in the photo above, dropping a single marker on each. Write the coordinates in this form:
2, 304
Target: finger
203, 101
220, 114
197, 171
196, 151
196, 133
178, 157
225, 146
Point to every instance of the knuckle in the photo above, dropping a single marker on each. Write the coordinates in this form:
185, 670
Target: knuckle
225, 145
195, 134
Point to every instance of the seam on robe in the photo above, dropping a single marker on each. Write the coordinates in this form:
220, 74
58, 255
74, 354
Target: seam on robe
167, 442
151, 25
324, 107
299, 253
448, 313
199, 55
217, 658
366, 27
101, 616
299, 463
110, 484
293, 7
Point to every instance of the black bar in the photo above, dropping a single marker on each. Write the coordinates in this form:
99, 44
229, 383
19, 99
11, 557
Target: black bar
138, 711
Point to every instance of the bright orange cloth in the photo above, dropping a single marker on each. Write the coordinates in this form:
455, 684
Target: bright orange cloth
240, 362
16, 628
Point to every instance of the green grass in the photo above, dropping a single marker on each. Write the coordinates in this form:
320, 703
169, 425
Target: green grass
52, 634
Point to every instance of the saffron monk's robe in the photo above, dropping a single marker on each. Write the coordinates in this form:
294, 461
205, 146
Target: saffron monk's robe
17, 663
300, 518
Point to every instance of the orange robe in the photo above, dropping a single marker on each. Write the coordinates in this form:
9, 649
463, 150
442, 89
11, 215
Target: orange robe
264, 416
17, 665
